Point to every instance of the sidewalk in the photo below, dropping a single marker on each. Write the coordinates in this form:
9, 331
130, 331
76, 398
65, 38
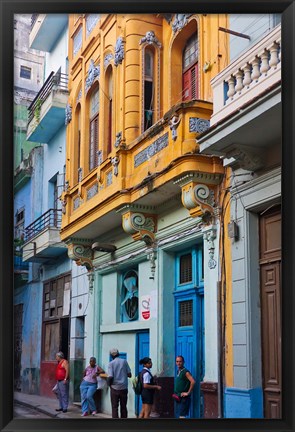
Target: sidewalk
48, 405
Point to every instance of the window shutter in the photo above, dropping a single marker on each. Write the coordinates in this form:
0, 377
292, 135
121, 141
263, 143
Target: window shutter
185, 313
186, 85
185, 268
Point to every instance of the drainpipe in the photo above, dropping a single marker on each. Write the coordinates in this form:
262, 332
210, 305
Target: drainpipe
220, 351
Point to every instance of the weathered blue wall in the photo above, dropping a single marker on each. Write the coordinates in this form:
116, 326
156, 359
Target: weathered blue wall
30, 296
243, 403
23, 199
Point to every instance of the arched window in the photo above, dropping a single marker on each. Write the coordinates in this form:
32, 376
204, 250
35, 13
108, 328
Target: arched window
93, 128
109, 109
149, 88
129, 296
190, 68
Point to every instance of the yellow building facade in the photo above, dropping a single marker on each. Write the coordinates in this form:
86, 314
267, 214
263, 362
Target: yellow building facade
140, 197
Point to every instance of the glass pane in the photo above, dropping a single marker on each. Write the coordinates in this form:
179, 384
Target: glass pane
77, 41
94, 103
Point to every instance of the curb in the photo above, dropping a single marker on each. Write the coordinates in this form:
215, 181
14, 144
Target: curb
37, 408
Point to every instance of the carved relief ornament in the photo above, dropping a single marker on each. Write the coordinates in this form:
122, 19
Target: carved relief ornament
81, 253
93, 73
119, 51
150, 39
141, 226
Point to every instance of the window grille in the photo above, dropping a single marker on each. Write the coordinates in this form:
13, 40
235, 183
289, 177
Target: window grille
186, 270
185, 313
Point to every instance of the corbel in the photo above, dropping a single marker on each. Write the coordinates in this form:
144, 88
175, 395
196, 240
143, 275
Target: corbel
141, 225
81, 252
198, 194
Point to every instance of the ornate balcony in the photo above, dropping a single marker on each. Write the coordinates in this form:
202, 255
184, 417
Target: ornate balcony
45, 30
143, 174
47, 111
42, 240
247, 101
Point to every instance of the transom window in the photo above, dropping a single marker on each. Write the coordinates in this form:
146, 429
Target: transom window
185, 264
190, 54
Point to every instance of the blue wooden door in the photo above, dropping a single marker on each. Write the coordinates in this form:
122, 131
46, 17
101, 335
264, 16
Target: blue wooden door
142, 350
189, 315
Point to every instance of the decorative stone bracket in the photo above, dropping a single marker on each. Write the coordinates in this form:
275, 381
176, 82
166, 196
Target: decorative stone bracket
198, 197
209, 236
81, 252
141, 226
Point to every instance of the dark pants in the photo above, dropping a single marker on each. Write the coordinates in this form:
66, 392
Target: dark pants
119, 396
182, 407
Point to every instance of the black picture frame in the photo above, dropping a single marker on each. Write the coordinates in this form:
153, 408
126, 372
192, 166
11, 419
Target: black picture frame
8, 9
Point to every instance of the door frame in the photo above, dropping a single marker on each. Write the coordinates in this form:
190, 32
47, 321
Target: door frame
139, 334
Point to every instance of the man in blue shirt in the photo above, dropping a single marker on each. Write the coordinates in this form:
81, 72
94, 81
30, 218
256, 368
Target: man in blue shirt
118, 374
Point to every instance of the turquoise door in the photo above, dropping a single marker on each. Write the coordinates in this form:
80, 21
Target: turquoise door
189, 315
142, 350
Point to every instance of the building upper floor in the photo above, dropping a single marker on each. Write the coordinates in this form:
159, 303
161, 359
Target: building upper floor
139, 96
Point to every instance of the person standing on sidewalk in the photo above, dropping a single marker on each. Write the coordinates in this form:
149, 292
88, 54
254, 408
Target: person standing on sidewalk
183, 387
62, 379
118, 374
148, 387
88, 387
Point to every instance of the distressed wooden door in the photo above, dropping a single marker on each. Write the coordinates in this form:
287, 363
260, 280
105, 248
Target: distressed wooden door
270, 271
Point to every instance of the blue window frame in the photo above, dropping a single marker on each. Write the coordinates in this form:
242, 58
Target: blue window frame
190, 268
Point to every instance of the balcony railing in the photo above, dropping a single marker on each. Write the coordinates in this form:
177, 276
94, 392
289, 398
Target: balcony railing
55, 81
50, 219
246, 78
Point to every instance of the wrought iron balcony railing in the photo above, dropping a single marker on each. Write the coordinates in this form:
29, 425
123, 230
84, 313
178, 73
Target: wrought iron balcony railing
50, 219
55, 81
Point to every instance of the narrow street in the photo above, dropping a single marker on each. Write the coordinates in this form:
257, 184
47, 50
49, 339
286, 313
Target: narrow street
23, 412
